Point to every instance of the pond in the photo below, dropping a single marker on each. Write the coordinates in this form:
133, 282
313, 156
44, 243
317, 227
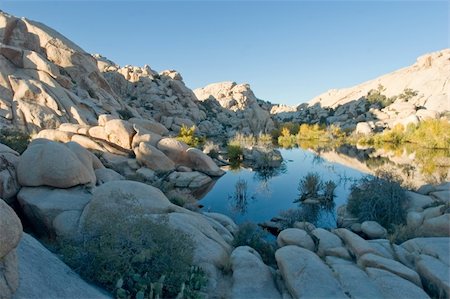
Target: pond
246, 195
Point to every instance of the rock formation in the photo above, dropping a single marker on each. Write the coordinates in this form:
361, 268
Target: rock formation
418, 92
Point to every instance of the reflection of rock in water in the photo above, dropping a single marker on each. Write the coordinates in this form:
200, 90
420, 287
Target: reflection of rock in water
202, 191
415, 165
239, 199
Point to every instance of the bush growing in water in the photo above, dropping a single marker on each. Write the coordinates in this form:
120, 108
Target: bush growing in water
15, 139
250, 234
381, 199
136, 257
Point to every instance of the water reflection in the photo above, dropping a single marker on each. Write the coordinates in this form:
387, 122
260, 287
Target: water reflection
240, 197
271, 191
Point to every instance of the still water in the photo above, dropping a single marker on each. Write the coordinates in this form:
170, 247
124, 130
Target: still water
268, 194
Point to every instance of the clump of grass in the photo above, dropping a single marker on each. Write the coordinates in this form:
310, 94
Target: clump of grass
15, 139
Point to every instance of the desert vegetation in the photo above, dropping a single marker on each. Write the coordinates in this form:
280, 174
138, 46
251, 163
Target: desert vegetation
136, 257
15, 139
379, 198
432, 133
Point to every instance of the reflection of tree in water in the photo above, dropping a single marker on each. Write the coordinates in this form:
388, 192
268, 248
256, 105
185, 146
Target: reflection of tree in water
266, 172
239, 199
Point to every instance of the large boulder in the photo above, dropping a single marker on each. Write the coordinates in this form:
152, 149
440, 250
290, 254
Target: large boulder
251, 277
193, 179
120, 132
54, 211
44, 275
435, 227
357, 245
393, 286
9, 185
295, 236
149, 156
373, 230
326, 241
10, 234
10, 228
354, 281
175, 150
375, 261
305, 273
202, 162
48, 163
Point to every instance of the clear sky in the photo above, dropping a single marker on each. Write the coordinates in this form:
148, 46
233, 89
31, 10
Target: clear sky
289, 51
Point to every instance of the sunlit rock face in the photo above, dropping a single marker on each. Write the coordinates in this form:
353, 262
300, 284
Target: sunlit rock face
415, 93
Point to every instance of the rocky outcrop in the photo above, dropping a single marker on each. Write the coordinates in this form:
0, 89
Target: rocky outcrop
44, 275
251, 277
10, 234
9, 185
377, 268
417, 92
242, 111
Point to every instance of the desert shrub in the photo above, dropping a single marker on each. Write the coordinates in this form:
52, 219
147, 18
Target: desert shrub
187, 135
286, 139
376, 96
309, 132
133, 256
15, 139
408, 94
310, 185
125, 114
431, 133
380, 198
250, 234
264, 140
243, 140
234, 153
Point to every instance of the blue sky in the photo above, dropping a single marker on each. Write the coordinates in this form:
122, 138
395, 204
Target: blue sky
289, 51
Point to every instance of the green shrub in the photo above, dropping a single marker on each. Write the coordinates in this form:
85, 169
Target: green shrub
306, 213
375, 96
133, 256
234, 153
15, 139
309, 186
250, 234
187, 135
381, 199
408, 94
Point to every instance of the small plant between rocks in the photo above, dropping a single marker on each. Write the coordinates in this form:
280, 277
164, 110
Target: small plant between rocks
15, 139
